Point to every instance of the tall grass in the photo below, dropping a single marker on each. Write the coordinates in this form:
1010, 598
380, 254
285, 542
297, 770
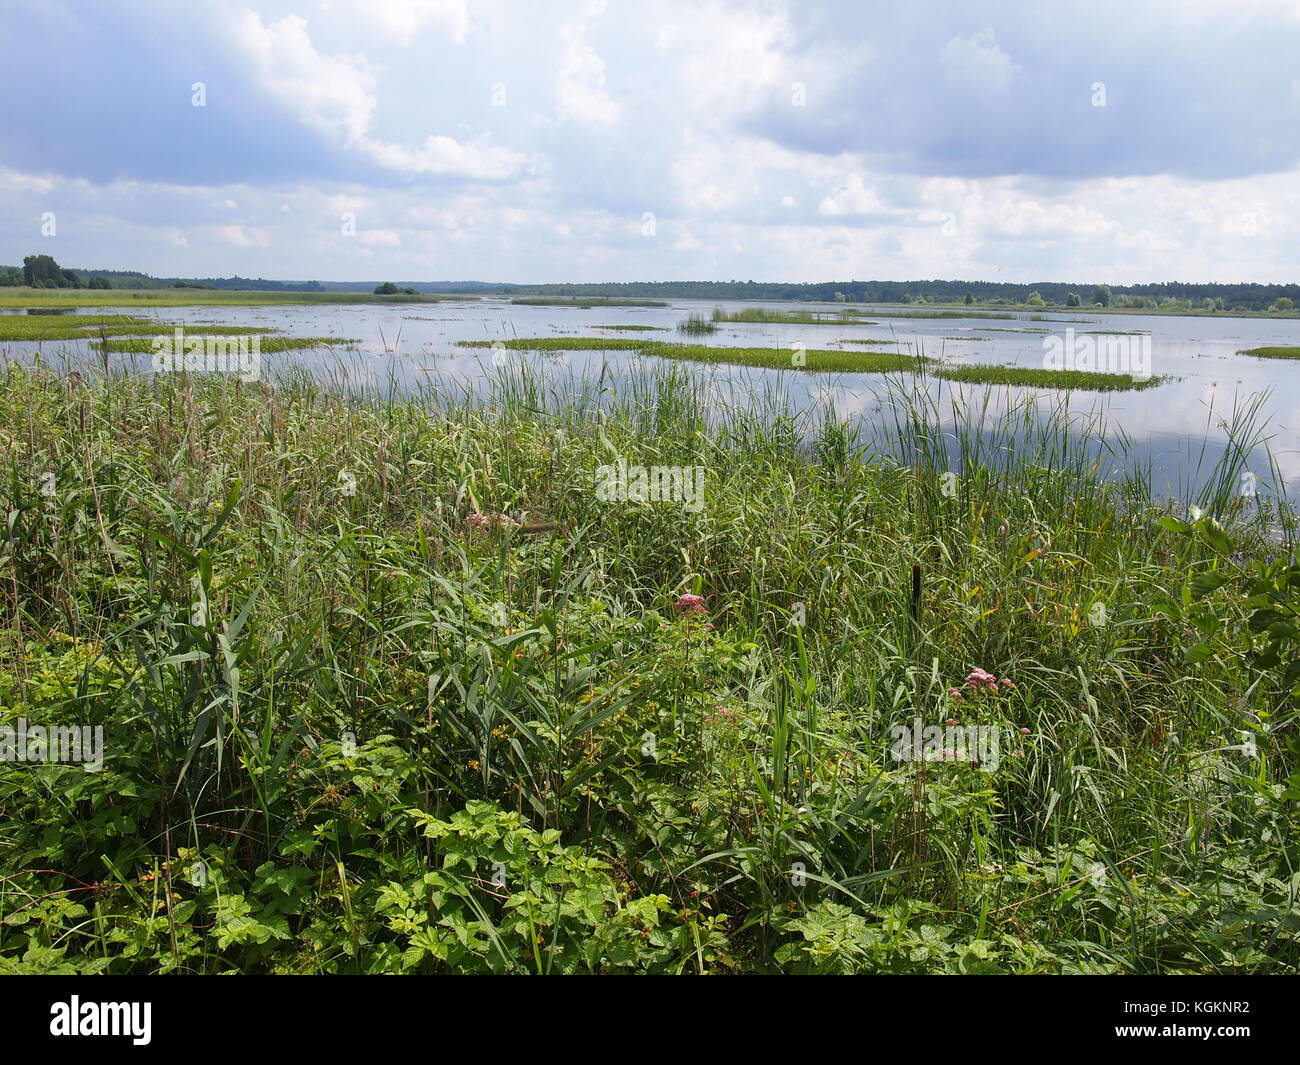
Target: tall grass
311, 639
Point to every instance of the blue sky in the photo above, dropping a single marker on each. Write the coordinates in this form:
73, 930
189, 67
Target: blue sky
654, 140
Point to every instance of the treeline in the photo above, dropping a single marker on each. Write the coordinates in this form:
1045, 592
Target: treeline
41, 271
1242, 296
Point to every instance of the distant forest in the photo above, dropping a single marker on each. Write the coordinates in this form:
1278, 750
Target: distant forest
43, 272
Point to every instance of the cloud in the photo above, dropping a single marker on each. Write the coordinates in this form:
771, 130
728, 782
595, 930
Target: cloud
580, 94
768, 138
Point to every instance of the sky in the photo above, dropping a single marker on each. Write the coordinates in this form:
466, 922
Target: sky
623, 140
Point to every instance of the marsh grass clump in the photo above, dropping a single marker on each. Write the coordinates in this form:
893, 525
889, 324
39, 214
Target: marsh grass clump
387, 687
764, 316
1275, 352
695, 324
584, 303
1085, 380
266, 344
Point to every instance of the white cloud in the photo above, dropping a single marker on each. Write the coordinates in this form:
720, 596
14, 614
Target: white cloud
405, 20
977, 65
853, 197
580, 94
336, 96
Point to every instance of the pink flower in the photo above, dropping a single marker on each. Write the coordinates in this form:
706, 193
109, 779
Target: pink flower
1024, 732
951, 721
1006, 682
978, 680
490, 521
955, 692
691, 604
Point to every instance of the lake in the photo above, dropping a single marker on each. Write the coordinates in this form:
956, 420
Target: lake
1176, 428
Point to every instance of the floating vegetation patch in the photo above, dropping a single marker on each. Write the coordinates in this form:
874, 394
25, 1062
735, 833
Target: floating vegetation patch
559, 301
266, 344
1272, 352
1084, 380
695, 324
764, 316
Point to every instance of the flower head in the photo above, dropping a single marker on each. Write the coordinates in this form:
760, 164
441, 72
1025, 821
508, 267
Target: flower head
691, 604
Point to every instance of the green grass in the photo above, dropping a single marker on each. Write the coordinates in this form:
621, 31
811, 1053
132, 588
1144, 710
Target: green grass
176, 297
41, 327
267, 344
1272, 352
340, 697
559, 301
813, 359
562, 344
939, 314
859, 340
695, 324
1085, 380
765, 316
635, 328
773, 358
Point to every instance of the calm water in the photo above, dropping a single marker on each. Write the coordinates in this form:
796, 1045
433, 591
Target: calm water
1174, 428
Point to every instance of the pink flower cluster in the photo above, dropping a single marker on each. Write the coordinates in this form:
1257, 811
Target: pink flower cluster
490, 521
691, 604
978, 680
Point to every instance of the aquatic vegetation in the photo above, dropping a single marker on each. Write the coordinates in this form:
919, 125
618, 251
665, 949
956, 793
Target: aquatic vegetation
1086, 380
583, 302
266, 344
1272, 352
695, 324
463, 715
763, 315
188, 297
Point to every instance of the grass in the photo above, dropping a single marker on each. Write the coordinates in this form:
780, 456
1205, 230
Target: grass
1272, 352
267, 344
765, 316
812, 359
40, 327
340, 699
938, 314
1086, 380
860, 340
559, 301
562, 344
695, 324
770, 358
635, 328
828, 360
175, 297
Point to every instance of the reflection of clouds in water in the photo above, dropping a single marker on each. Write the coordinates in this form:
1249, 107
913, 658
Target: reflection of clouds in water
1166, 424
843, 402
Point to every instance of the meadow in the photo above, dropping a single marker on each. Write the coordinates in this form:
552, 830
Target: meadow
387, 688
186, 297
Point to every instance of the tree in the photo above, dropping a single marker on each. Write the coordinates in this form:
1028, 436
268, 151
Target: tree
1072, 300
386, 289
41, 268
1035, 300
98, 281
970, 298
1283, 303
1101, 295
